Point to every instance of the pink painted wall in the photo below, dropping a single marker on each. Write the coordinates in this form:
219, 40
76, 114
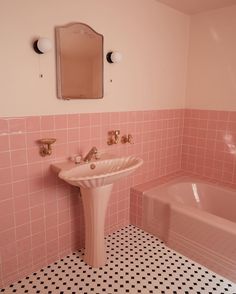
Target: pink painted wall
197, 6
152, 38
211, 82
41, 217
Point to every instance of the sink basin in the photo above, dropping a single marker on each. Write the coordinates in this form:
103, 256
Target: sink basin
101, 172
95, 180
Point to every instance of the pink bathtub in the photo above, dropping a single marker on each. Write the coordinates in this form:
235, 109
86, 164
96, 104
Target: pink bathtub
196, 219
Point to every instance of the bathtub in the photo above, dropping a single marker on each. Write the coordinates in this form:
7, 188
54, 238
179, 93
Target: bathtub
195, 218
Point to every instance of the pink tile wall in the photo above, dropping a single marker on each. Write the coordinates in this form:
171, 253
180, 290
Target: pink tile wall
209, 150
41, 217
209, 144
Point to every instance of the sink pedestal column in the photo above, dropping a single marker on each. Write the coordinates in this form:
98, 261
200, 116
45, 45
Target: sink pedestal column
95, 201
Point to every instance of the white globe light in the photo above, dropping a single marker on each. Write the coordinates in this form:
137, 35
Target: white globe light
44, 45
116, 57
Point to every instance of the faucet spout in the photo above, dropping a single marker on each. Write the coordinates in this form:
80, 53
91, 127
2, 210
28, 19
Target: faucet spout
92, 153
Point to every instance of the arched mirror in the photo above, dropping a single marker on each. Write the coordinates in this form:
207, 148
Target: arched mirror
79, 55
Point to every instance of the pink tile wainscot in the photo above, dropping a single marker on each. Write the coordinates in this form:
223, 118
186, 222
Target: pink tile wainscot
41, 216
209, 144
37, 208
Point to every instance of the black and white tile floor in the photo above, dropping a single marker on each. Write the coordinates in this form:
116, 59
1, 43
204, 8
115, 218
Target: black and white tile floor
137, 263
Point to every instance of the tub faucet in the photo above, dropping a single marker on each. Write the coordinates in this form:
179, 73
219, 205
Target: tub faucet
92, 153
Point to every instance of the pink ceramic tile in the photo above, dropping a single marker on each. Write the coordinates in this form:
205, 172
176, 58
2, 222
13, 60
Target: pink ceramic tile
63, 229
35, 170
21, 203
22, 232
5, 191
61, 122
84, 120
6, 207
232, 116
64, 243
19, 172
37, 239
36, 198
17, 124
51, 234
61, 151
37, 226
7, 237
33, 155
5, 175
17, 141
105, 119
4, 143
37, 212
4, 125
4, 159
51, 221
52, 247
73, 135
32, 123
63, 216
35, 184
18, 157
9, 251
61, 136
32, 139
50, 208
47, 122
39, 253
63, 203
24, 260
22, 217
73, 121
24, 245
20, 188
10, 265
216, 146
84, 133
6, 221
95, 119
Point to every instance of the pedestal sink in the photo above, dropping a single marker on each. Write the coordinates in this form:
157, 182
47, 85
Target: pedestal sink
95, 180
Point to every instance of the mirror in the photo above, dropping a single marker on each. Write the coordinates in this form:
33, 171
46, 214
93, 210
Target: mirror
79, 56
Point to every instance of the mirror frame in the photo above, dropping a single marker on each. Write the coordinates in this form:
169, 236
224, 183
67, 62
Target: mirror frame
58, 61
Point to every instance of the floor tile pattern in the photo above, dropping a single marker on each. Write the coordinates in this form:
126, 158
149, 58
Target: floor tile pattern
137, 263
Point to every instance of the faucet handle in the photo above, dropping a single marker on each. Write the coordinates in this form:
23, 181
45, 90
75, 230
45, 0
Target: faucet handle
130, 139
77, 159
113, 137
127, 139
117, 134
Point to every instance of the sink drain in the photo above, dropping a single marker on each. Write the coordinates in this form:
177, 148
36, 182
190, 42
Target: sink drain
92, 166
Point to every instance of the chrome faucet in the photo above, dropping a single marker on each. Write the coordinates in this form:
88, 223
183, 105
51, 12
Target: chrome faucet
92, 153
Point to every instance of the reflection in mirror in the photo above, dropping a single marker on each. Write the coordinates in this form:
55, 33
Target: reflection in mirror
79, 51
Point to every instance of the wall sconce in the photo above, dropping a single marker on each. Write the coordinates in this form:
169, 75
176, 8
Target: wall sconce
42, 45
114, 57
